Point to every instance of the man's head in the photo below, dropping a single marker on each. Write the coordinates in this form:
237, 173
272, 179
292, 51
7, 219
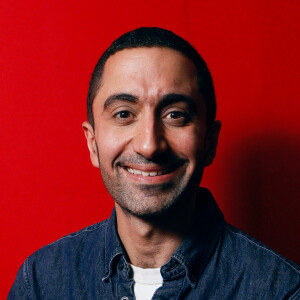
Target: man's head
161, 38
152, 133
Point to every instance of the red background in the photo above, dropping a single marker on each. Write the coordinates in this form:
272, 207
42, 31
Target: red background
48, 51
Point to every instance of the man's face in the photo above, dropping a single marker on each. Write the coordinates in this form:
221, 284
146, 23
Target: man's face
150, 125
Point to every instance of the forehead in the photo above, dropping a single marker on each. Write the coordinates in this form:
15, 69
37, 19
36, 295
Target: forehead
148, 72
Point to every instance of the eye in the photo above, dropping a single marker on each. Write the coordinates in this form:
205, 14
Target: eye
124, 114
123, 117
177, 118
175, 115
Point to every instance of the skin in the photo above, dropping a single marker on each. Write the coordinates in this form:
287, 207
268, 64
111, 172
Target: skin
151, 120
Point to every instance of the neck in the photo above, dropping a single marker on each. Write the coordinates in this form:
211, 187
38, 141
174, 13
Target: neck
150, 242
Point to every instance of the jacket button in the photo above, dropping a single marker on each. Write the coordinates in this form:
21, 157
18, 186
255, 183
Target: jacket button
121, 267
124, 298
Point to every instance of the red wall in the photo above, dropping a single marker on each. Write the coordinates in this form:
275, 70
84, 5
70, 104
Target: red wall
47, 52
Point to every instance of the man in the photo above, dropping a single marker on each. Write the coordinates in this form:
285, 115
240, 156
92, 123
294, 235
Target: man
151, 130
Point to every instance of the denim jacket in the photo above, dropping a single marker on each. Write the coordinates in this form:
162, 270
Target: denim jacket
216, 261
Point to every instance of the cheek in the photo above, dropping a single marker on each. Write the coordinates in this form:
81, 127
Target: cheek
110, 145
190, 144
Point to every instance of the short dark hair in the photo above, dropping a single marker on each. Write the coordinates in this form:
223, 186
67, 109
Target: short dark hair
156, 37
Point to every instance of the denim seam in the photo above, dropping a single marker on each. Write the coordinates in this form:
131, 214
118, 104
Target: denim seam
181, 289
108, 259
296, 294
101, 224
26, 276
181, 259
264, 248
110, 266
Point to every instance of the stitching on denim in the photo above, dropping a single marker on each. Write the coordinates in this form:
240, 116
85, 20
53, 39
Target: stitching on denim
105, 249
264, 248
181, 260
26, 276
110, 265
181, 288
88, 229
108, 260
296, 294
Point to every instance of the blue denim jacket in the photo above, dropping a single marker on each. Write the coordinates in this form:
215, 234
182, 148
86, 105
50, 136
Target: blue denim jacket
217, 261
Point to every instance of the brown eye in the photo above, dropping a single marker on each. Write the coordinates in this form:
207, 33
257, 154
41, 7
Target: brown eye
124, 117
177, 118
175, 115
124, 114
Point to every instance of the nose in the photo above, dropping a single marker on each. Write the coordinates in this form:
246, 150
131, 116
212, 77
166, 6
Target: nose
149, 140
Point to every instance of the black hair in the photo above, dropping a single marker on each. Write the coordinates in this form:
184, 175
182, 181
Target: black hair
156, 37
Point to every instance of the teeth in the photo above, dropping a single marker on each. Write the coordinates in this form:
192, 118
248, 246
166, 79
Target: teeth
138, 172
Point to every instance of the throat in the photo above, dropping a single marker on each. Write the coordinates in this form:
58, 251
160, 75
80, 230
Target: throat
151, 243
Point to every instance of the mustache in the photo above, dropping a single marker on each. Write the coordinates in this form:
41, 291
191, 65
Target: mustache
165, 159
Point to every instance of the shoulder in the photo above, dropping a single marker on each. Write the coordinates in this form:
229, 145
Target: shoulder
60, 262
77, 244
56, 266
85, 233
262, 266
257, 250
79, 240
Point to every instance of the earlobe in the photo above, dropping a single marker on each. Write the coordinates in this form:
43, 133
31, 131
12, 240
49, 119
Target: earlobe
91, 143
211, 143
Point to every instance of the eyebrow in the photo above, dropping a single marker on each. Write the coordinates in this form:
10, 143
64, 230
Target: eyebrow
116, 97
166, 100
170, 99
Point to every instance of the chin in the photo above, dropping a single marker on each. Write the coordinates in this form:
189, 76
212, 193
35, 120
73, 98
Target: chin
148, 205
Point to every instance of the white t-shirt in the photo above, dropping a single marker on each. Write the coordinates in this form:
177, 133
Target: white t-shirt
147, 281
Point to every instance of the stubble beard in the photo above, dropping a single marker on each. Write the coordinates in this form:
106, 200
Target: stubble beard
151, 201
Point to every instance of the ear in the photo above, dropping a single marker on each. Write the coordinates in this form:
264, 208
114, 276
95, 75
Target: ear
211, 142
91, 143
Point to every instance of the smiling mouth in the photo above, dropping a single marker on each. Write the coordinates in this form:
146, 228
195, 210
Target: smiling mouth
151, 171
143, 173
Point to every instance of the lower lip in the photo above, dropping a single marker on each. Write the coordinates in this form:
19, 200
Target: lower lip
152, 179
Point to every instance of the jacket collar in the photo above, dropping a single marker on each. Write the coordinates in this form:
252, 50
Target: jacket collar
113, 246
195, 251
